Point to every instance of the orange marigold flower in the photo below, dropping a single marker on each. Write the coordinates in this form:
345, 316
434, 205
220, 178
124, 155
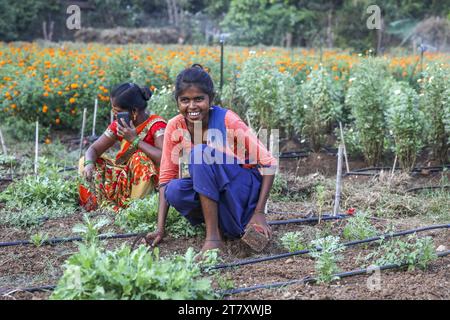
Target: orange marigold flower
57, 121
44, 108
72, 100
74, 85
48, 141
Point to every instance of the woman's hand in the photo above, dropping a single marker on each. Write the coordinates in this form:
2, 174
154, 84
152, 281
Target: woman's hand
259, 220
154, 238
88, 172
127, 132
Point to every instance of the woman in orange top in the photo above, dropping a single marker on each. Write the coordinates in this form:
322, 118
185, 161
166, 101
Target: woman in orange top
223, 185
135, 171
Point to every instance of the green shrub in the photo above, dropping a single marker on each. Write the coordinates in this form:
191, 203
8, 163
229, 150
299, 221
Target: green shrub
321, 106
435, 100
142, 216
366, 96
269, 95
405, 122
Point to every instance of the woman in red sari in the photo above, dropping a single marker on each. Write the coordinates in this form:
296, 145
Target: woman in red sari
134, 173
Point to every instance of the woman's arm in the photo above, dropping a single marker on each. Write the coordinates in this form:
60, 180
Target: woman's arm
163, 209
94, 151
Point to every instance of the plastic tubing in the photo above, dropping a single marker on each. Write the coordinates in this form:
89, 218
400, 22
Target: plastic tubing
312, 279
346, 244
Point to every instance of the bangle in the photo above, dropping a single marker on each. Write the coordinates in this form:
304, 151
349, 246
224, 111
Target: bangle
88, 162
135, 143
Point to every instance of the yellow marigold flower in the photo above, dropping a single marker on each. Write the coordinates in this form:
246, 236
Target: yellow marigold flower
72, 100
74, 85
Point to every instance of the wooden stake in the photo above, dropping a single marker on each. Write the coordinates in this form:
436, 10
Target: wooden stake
112, 117
36, 149
345, 150
393, 167
83, 124
337, 198
95, 117
3, 143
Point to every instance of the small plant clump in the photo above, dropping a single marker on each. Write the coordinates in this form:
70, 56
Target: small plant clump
359, 227
142, 216
94, 273
414, 252
293, 241
326, 252
29, 201
39, 238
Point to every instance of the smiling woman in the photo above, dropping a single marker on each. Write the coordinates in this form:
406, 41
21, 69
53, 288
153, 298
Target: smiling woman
223, 187
135, 171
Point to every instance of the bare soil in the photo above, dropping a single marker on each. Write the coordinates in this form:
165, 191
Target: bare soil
27, 266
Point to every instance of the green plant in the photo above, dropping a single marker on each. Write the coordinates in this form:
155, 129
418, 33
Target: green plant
90, 229
414, 252
94, 273
406, 124
142, 216
435, 100
320, 199
366, 96
326, 252
268, 93
39, 238
321, 106
293, 241
359, 227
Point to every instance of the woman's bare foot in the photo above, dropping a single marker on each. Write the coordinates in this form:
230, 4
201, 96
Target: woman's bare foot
211, 244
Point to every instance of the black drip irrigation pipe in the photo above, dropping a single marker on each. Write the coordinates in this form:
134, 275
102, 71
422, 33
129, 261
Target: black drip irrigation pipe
305, 220
346, 244
362, 171
309, 279
131, 235
72, 239
428, 188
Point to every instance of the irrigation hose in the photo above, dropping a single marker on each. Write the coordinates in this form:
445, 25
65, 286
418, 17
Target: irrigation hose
428, 188
312, 279
131, 235
71, 239
346, 244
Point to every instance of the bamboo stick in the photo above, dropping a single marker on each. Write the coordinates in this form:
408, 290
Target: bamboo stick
337, 198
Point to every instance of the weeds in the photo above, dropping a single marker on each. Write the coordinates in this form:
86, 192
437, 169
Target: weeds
415, 251
293, 241
359, 227
142, 216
